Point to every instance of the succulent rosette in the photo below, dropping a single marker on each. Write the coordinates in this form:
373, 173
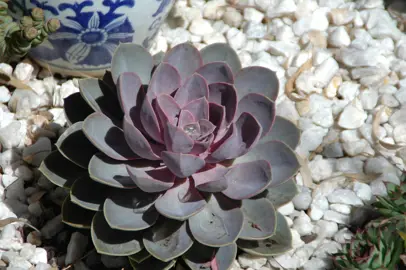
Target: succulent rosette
178, 155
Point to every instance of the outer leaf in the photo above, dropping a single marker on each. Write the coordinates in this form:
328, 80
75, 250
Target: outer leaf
283, 193
181, 201
152, 263
113, 242
221, 52
168, 240
150, 121
74, 145
285, 131
107, 137
130, 57
224, 94
167, 108
165, 80
219, 223
110, 172
203, 257
280, 243
283, 160
246, 180
93, 200
150, 179
216, 72
129, 88
76, 108
194, 87
258, 80
130, 210
59, 170
185, 58
259, 219
76, 216
140, 256
211, 178
182, 165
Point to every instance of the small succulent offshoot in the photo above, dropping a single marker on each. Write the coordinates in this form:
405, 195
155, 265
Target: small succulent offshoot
17, 38
178, 156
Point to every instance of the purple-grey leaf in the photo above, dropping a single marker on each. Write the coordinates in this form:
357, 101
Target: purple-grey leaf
151, 179
246, 180
114, 242
239, 139
76, 108
261, 107
219, 223
200, 257
206, 128
202, 146
283, 130
167, 109
185, 118
211, 179
195, 87
283, 193
110, 172
168, 240
258, 80
177, 140
283, 160
107, 137
150, 122
221, 52
76, 216
216, 72
152, 263
224, 94
165, 80
140, 256
185, 58
259, 219
182, 165
138, 143
199, 108
181, 201
129, 86
130, 57
80, 195
130, 210
218, 118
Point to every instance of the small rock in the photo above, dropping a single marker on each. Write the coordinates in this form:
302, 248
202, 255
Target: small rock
236, 38
11, 136
40, 256
247, 260
52, 227
4, 94
333, 150
7, 180
336, 217
34, 238
325, 72
200, 27
28, 251
343, 235
325, 228
6, 68
253, 15
255, 30
67, 88
302, 200
339, 38
45, 266
286, 209
344, 196
352, 117
363, 191
36, 153
341, 16
369, 99
76, 248
23, 71
232, 17
341, 208
302, 224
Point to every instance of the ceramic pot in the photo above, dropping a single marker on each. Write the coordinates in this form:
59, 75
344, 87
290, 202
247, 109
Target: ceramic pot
91, 30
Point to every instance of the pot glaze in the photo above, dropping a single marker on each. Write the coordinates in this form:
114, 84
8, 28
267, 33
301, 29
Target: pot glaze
91, 30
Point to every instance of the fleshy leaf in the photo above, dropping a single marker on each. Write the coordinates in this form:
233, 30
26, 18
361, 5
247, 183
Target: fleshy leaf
151, 179
165, 80
185, 58
113, 242
110, 172
259, 219
261, 107
283, 193
181, 201
279, 243
211, 179
221, 52
177, 140
60, 171
100, 97
76, 108
219, 223
152, 263
224, 94
74, 145
217, 116
185, 118
168, 240
130, 210
283, 160
216, 72
283, 130
140, 256
107, 137
195, 87
137, 141
206, 127
182, 165
149, 121
167, 108
258, 80
129, 86
200, 257
76, 216
246, 180
80, 195
130, 57
199, 108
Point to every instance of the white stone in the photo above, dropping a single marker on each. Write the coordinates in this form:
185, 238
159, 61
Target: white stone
6, 68
23, 71
232, 17
316, 264
398, 117
336, 217
325, 228
352, 117
213, 10
399, 134
325, 72
389, 100
200, 27
236, 38
76, 247
284, 33
286, 209
321, 168
358, 58
255, 30
246, 260
311, 139
369, 99
4, 94
316, 21
7, 180
339, 38
283, 8
341, 16
283, 48
401, 51
344, 196
302, 224
378, 188
39, 256
363, 191
316, 213
401, 95
253, 15
302, 200
356, 147
28, 251
12, 135
341, 208
286, 261
348, 90
343, 236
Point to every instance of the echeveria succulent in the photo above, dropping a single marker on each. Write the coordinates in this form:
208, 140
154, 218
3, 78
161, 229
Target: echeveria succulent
178, 156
